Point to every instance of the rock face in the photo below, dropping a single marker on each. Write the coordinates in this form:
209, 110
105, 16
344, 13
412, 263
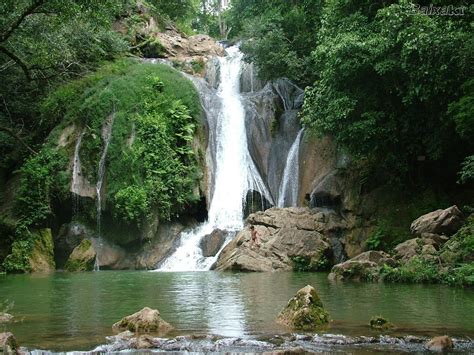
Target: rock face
82, 257
362, 267
211, 243
304, 311
445, 222
8, 343
440, 344
145, 321
42, 257
287, 237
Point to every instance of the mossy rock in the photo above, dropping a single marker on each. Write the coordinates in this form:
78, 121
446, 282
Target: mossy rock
42, 255
304, 311
380, 323
82, 257
146, 320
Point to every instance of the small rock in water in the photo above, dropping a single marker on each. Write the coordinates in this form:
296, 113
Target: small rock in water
5, 317
304, 311
8, 344
145, 321
380, 323
440, 344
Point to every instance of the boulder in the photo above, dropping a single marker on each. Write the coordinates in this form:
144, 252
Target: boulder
82, 257
288, 238
145, 321
5, 317
42, 256
380, 323
446, 222
440, 344
212, 243
8, 343
304, 311
364, 266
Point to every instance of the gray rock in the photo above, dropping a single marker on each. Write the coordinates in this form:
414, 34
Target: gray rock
211, 243
445, 222
5, 317
364, 266
8, 343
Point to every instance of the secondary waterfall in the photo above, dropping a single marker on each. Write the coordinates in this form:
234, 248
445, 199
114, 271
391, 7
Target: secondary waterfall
76, 173
234, 171
288, 192
106, 136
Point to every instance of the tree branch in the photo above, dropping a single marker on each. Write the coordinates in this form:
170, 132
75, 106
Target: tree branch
28, 11
18, 138
18, 61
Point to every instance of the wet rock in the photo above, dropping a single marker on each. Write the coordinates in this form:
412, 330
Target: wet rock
445, 222
362, 267
211, 243
304, 311
5, 317
440, 344
288, 238
145, 321
82, 257
42, 256
380, 323
8, 343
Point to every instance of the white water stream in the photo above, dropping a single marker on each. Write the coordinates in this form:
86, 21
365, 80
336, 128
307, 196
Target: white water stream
235, 172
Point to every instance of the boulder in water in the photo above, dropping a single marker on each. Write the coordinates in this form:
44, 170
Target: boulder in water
364, 266
82, 257
8, 344
5, 317
380, 323
145, 321
211, 243
440, 344
446, 222
304, 311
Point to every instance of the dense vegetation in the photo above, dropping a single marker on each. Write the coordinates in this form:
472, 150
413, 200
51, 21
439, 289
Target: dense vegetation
391, 84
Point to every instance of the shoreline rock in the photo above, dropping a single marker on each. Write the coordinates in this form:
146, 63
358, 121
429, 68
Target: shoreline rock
146, 320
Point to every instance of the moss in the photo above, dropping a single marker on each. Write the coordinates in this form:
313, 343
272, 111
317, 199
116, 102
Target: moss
380, 323
310, 263
82, 258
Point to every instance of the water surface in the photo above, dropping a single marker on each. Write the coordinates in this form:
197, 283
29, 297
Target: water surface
75, 311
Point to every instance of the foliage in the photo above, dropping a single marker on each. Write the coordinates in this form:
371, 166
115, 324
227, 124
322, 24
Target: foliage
467, 171
305, 263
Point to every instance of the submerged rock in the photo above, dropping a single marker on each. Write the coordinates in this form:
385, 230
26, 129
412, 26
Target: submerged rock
145, 321
8, 343
364, 266
5, 317
304, 311
82, 257
380, 323
445, 222
288, 239
440, 344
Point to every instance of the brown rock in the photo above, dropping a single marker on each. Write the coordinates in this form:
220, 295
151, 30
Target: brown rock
445, 222
440, 344
8, 343
145, 321
211, 243
362, 267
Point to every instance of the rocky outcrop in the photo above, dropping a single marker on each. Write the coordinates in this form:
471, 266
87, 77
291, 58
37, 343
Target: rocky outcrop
212, 243
287, 237
304, 311
82, 257
445, 222
42, 256
440, 344
8, 343
405, 251
146, 320
363, 267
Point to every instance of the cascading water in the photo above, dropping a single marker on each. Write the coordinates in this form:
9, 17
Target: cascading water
76, 173
288, 192
234, 172
106, 136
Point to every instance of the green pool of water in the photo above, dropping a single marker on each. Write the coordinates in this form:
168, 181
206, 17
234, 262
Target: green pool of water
66, 311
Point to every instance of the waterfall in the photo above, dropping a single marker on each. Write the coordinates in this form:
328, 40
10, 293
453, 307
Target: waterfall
106, 136
76, 173
288, 191
234, 171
